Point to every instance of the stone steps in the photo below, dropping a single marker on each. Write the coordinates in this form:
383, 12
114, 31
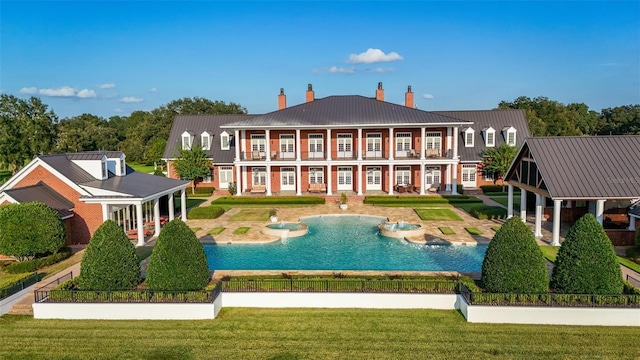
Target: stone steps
21, 309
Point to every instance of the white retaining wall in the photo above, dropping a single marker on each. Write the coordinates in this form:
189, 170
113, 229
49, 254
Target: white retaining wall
126, 311
7, 303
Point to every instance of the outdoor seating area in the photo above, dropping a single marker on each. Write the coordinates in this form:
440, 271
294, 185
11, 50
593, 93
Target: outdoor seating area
317, 188
404, 188
258, 189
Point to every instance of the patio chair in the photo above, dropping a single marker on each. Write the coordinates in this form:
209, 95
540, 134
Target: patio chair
255, 155
274, 155
413, 154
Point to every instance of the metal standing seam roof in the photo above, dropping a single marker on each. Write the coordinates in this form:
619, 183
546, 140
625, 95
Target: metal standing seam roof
635, 209
93, 155
498, 119
588, 166
136, 184
344, 110
41, 192
196, 125
66, 167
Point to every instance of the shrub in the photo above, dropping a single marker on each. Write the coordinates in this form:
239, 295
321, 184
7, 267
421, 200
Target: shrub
201, 190
178, 261
110, 261
206, 212
488, 212
513, 262
269, 200
638, 238
493, 188
460, 189
29, 229
233, 188
35, 264
586, 262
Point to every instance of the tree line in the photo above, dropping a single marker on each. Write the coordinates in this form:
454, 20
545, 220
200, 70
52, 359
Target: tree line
29, 128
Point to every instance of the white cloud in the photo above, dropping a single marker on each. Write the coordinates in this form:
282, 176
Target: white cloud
118, 110
428, 96
86, 94
341, 70
131, 99
373, 56
378, 70
29, 90
107, 86
64, 91
153, 90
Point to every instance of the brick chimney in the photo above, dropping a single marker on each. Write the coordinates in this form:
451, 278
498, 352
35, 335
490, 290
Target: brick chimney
380, 92
408, 98
310, 94
282, 100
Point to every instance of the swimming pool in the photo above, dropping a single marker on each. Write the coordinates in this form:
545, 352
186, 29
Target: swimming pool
344, 243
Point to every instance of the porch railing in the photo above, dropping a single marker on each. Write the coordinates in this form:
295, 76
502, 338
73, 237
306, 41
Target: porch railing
24, 283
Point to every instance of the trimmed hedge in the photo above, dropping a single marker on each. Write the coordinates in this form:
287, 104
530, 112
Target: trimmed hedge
35, 264
493, 188
488, 212
638, 238
419, 200
110, 261
270, 200
513, 262
200, 190
586, 262
206, 212
178, 261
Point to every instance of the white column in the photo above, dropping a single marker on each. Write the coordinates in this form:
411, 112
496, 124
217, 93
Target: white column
237, 180
359, 142
600, 211
391, 179
172, 208
328, 147
448, 141
391, 147
105, 212
359, 177
538, 223
455, 142
510, 202
244, 179
156, 216
268, 180
139, 224
454, 167
523, 205
422, 184
298, 179
237, 142
329, 180
298, 149
183, 204
423, 143
632, 223
125, 218
267, 145
557, 207
243, 143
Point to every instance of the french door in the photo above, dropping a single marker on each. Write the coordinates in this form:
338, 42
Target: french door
345, 178
287, 179
344, 146
287, 146
432, 176
374, 178
374, 146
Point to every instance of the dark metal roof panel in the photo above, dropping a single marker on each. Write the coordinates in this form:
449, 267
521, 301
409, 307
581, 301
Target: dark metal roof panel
136, 184
93, 155
497, 119
344, 110
196, 125
67, 168
589, 166
635, 209
40, 192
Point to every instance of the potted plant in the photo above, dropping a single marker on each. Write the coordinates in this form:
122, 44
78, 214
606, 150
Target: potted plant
273, 215
343, 201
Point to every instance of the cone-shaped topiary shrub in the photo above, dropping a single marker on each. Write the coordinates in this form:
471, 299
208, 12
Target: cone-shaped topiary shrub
110, 261
586, 262
178, 261
513, 262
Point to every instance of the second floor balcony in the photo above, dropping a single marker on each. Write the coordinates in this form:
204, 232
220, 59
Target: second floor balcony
257, 155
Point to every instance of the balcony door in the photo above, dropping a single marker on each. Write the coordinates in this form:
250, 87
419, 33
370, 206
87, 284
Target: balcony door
344, 146
287, 179
345, 177
374, 178
374, 146
316, 146
403, 144
287, 146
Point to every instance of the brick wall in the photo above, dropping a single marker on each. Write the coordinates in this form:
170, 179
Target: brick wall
620, 237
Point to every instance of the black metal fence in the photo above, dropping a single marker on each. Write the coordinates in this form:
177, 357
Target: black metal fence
550, 300
22, 284
41, 293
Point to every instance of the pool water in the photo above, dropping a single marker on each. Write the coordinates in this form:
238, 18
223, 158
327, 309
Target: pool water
344, 243
288, 226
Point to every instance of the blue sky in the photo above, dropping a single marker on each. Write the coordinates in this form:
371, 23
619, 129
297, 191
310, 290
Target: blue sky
111, 58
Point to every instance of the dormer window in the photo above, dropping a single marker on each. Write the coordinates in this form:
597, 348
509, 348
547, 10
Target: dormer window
224, 140
104, 169
205, 140
509, 134
468, 137
490, 137
122, 167
187, 140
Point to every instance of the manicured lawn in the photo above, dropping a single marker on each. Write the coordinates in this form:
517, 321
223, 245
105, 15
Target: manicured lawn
445, 230
473, 231
251, 215
191, 202
241, 230
141, 167
242, 333
495, 228
216, 230
549, 252
195, 229
437, 215
503, 200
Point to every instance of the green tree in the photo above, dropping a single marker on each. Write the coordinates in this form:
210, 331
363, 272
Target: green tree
178, 261
30, 229
497, 160
551, 118
110, 261
193, 165
586, 262
85, 133
620, 120
513, 262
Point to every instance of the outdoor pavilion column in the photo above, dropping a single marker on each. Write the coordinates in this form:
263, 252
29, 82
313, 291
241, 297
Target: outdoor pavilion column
105, 212
557, 207
523, 205
600, 211
510, 202
421, 178
454, 174
183, 204
632, 223
298, 149
538, 223
238, 182
359, 147
139, 224
329, 180
298, 179
268, 180
423, 143
391, 148
172, 208
125, 218
390, 179
156, 216
359, 177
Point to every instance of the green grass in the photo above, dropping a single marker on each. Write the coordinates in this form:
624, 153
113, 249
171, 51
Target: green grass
141, 167
473, 231
216, 230
195, 229
249, 333
549, 252
445, 230
495, 228
420, 201
437, 215
143, 252
251, 215
241, 230
503, 200
630, 264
